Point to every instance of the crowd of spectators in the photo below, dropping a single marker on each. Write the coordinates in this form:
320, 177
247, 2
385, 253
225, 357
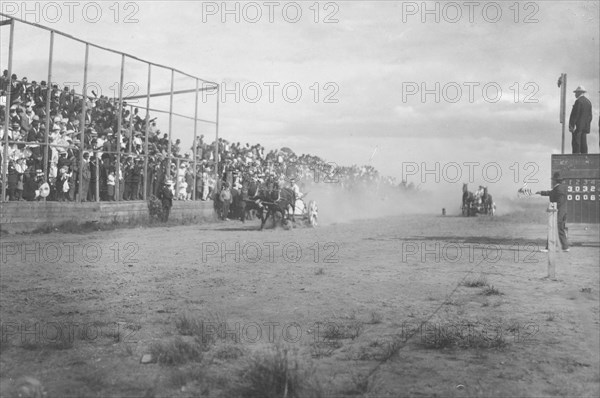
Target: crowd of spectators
135, 172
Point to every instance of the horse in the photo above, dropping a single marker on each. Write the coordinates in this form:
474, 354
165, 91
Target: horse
279, 200
488, 202
467, 200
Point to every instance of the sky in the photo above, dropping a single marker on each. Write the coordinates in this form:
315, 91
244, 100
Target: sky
438, 93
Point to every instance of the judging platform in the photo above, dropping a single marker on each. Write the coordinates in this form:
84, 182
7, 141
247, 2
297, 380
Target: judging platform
18, 217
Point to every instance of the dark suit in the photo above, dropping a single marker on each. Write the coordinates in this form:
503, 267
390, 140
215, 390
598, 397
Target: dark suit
579, 123
165, 195
558, 195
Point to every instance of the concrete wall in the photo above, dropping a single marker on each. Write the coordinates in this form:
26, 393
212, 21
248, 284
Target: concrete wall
16, 217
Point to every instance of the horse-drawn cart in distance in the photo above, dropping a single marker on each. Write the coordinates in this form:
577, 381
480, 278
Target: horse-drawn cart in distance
480, 202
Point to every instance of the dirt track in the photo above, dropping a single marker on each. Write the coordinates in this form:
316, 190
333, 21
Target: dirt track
392, 288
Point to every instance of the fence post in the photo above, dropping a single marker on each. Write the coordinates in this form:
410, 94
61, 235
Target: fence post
552, 240
82, 126
7, 125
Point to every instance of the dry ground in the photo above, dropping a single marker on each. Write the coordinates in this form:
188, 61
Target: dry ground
370, 308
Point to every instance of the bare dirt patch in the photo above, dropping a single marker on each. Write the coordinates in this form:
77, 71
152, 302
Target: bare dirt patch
390, 307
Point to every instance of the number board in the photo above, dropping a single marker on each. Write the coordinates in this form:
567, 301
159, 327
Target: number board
581, 174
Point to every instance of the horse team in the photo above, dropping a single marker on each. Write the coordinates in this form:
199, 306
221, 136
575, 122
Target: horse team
480, 202
256, 199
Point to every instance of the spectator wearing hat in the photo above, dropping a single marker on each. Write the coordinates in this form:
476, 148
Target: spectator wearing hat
165, 195
580, 121
73, 158
93, 163
558, 195
40, 93
110, 185
62, 184
29, 185
15, 90
103, 180
86, 176
225, 197
189, 180
120, 177
4, 80
13, 178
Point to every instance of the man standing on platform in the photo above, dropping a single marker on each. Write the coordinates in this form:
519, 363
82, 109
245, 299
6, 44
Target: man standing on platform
558, 195
580, 121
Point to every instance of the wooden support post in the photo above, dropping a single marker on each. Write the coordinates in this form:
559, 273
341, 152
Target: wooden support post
194, 146
217, 174
552, 240
146, 181
7, 125
118, 168
49, 120
170, 124
563, 101
82, 125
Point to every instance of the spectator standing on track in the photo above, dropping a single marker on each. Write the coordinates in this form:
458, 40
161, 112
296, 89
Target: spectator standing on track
84, 186
580, 121
558, 195
226, 200
165, 195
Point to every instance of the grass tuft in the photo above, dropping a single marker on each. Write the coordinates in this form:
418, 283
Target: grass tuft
480, 281
275, 374
491, 291
177, 351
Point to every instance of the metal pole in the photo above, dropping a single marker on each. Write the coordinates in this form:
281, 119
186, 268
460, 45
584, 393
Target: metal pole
170, 124
119, 117
130, 127
98, 160
194, 146
563, 105
147, 131
177, 162
7, 111
48, 98
83, 111
552, 240
217, 139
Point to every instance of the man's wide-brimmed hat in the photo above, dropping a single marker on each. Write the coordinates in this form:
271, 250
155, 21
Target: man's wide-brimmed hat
556, 176
580, 89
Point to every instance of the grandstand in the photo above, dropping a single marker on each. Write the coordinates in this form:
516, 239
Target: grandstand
59, 145
66, 146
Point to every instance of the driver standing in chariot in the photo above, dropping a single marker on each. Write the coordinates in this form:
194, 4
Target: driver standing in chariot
299, 205
479, 194
260, 191
294, 187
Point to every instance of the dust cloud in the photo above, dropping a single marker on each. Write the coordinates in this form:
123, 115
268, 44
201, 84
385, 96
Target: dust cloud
339, 205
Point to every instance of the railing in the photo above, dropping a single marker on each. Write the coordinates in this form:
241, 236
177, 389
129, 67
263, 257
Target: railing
115, 156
